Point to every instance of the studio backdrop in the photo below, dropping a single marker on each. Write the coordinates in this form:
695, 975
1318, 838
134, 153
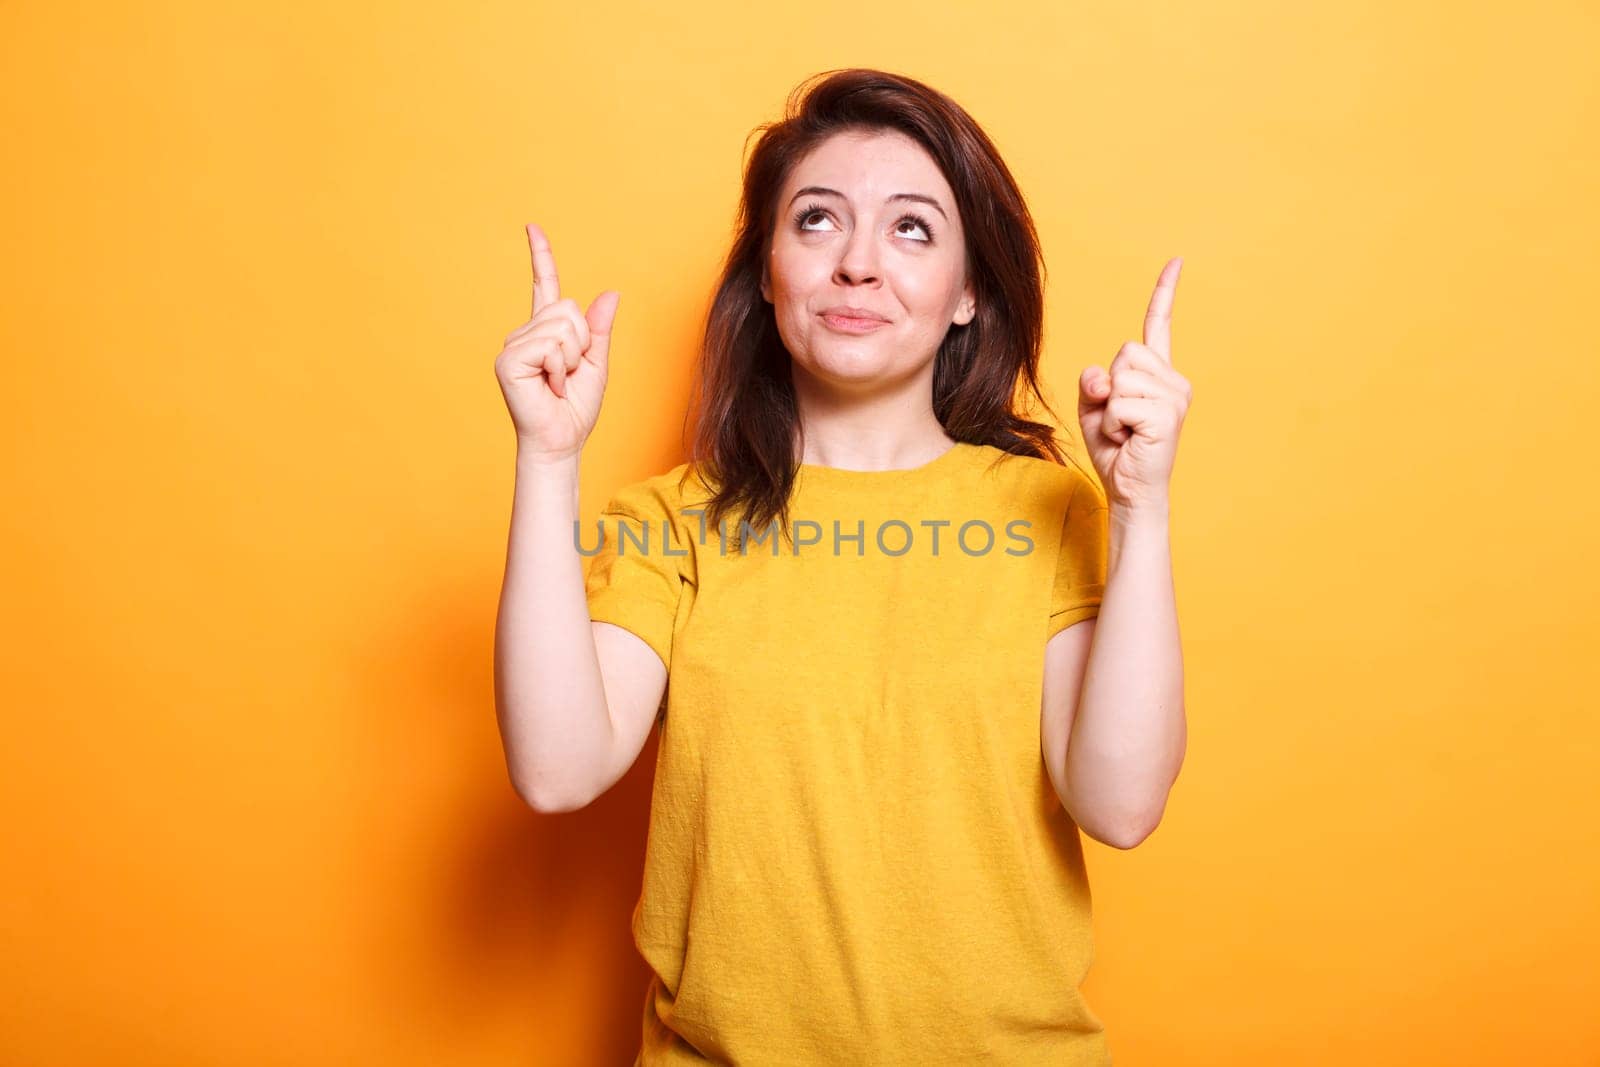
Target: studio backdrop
258, 474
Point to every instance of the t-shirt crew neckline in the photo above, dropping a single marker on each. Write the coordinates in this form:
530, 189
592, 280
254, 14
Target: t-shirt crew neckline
816, 474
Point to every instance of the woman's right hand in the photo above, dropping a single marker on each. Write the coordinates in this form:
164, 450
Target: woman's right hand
552, 369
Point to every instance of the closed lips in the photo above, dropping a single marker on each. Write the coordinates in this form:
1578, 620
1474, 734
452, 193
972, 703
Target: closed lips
855, 313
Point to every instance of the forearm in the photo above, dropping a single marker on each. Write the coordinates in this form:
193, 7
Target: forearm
1129, 733
549, 697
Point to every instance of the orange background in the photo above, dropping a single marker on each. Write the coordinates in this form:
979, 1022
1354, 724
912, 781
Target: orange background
258, 477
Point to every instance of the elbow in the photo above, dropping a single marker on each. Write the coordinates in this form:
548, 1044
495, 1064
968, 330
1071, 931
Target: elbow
1119, 829
548, 801
1123, 834
1143, 828
1126, 838
1129, 826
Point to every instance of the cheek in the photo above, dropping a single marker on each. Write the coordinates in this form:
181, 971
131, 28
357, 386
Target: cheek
794, 286
928, 294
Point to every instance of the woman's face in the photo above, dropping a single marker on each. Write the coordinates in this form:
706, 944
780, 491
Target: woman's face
867, 220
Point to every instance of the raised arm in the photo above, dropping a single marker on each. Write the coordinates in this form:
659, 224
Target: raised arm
574, 699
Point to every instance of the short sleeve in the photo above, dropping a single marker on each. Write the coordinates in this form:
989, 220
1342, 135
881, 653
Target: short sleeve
1080, 579
635, 578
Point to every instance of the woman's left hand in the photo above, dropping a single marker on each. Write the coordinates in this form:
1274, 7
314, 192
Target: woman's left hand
1131, 416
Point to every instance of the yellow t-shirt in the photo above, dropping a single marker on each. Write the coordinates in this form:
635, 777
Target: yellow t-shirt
855, 853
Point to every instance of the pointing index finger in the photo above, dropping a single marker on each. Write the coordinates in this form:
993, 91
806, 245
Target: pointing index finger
1158, 318
546, 286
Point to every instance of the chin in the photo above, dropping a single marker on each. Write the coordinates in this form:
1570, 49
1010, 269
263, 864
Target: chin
863, 376
846, 363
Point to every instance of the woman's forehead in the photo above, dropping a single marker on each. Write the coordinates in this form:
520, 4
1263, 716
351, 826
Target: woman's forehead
871, 165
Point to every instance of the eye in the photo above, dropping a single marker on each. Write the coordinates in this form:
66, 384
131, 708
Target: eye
806, 212
804, 215
920, 221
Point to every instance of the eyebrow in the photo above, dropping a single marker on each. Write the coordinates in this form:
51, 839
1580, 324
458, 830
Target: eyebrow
818, 190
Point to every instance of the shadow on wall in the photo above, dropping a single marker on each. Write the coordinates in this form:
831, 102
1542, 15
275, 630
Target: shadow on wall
518, 922
544, 907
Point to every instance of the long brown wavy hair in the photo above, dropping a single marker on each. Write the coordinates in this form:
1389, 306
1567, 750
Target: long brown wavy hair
747, 418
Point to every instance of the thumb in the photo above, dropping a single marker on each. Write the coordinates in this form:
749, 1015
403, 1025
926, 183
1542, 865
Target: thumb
1093, 389
600, 316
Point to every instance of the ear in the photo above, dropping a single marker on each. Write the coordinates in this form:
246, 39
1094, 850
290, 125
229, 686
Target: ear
967, 309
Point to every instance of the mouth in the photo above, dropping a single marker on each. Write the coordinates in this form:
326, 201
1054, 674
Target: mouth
850, 324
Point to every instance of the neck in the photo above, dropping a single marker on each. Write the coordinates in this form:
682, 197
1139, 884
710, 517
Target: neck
874, 427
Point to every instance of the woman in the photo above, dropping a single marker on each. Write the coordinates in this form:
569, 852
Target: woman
912, 652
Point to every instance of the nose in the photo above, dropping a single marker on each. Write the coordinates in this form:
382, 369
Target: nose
858, 263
